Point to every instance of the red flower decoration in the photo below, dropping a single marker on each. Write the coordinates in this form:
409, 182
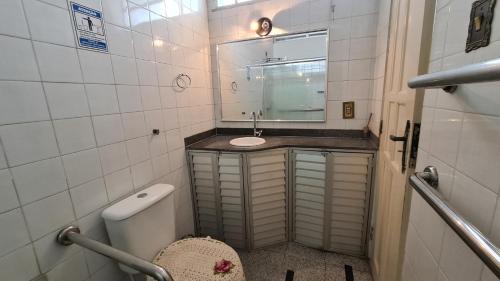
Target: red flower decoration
223, 266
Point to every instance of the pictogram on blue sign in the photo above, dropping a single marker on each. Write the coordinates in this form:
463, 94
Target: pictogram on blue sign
89, 27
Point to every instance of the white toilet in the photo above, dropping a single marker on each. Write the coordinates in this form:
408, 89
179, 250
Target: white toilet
144, 225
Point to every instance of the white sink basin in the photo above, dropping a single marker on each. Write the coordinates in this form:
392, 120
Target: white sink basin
247, 141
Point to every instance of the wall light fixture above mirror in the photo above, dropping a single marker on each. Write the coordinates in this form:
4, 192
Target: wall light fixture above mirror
284, 76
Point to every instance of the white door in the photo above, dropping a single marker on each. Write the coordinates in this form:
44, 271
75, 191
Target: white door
408, 55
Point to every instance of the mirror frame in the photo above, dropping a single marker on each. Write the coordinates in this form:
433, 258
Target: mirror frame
327, 57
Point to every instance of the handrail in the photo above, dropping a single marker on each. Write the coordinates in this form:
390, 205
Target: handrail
71, 234
476, 240
488, 71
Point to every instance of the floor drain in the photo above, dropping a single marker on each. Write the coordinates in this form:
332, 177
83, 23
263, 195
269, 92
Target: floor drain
289, 275
349, 276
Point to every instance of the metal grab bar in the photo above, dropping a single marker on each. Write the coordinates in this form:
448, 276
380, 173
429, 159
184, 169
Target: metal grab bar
71, 234
476, 240
488, 71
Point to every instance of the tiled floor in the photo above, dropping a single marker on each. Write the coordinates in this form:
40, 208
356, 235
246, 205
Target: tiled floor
271, 264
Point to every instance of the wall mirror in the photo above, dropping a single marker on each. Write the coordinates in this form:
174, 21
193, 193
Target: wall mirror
283, 78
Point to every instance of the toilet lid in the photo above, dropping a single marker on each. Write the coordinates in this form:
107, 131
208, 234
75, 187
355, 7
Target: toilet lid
193, 259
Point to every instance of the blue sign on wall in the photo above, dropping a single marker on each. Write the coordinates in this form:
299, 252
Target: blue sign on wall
89, 27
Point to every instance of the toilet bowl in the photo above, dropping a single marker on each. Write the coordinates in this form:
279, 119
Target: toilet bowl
144, 225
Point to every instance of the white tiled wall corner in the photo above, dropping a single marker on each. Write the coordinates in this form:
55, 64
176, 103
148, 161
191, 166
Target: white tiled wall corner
75, 125
353, 37
460, 137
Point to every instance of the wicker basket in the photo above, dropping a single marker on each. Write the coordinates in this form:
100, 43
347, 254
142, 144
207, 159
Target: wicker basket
193, 259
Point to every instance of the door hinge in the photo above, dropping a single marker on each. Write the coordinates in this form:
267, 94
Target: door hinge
372, 232
414, 145
380, 127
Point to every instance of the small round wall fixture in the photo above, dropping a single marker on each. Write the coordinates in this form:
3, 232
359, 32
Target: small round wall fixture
265, 25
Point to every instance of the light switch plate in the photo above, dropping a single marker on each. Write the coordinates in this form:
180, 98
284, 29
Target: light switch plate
481, 16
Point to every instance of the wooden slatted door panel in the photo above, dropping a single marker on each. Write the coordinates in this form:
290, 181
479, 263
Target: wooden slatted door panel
350, 201
309, 181
267, 193
232, 199
206, 193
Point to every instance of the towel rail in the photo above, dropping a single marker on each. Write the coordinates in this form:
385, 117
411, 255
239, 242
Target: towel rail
476, 241
71, 234
448, 80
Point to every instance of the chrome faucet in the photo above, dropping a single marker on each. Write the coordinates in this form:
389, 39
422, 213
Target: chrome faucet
256, 133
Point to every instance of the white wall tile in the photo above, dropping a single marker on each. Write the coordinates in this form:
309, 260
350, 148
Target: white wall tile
28, 142
75, 266
445, 135
110, 272
475, 202
364, 26
18, 60
142, 173
8, 196
360, 69
63, 69
108, 129
12, 20
161, 165
424, 265
458, 262
13, 231
177, 158
22, 102
129, 98
143, 46
147, 73
113, 157
125, 70
120, 41
48, 214
48, 23
102, 99
58, 63
479, 150
49, 253
429, 226
40, 179
66, 100
119, 183
88, 197
168, 99
154, 120
96, 67
116, 12
139, 19
150, 97
82, 166
138, 150
20, 265
134, 125
74, 134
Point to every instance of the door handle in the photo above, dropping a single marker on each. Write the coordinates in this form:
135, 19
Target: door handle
394, 138
403, 139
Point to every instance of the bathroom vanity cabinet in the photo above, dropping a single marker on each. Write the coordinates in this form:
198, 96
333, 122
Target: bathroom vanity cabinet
330, 194
316, 197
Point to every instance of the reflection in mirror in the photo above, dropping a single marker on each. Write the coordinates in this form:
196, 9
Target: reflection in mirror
284, 76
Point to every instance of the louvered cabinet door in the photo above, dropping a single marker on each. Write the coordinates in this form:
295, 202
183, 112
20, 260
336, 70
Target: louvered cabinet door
232, 199
266, 194
206, 193
308, 193
350, 201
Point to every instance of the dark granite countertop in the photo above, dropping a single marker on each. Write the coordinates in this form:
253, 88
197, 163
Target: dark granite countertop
221, 143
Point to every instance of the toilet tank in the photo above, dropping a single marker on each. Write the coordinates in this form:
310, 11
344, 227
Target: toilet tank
142, 224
